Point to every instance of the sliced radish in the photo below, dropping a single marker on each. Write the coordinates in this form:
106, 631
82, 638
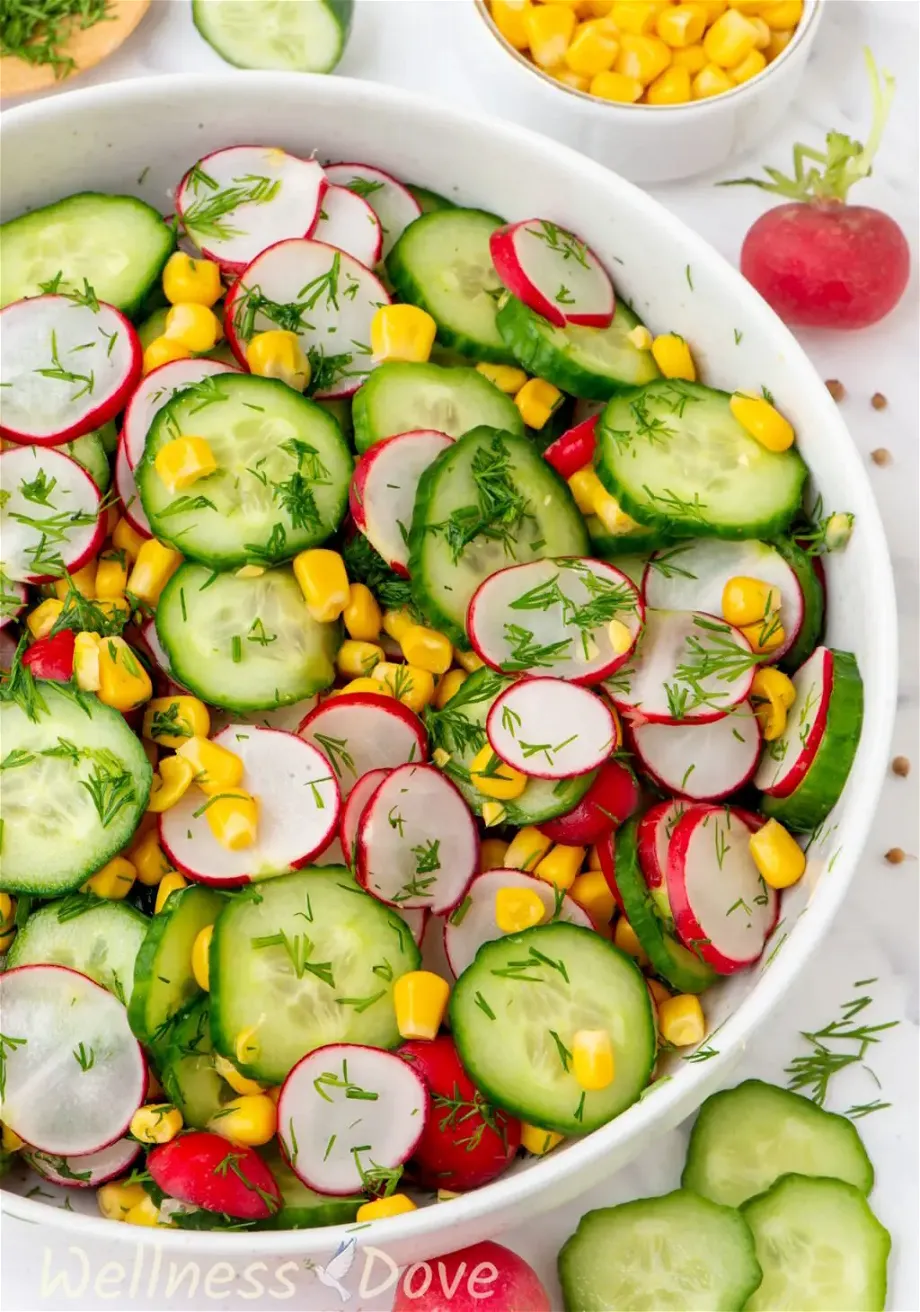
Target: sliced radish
50, 514
289, 718
608, 803
298, 801
353, 809
64, 1032
473, 922
394, 204
326, 293
362, 731
551, 729
237, 202
564, 607
347, 221
417, 920
786, 760
553, 272
206, 1170
157, 389
703, 762
417, 841
12, 598
687, 667
66, 368
693, 575
348, 1113
382, 492
722, 907
653, 838
128, 495
574, 449
156, 649
88, 1171
606, 850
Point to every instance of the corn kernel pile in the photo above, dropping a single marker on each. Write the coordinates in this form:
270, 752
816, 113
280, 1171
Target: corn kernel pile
649, 52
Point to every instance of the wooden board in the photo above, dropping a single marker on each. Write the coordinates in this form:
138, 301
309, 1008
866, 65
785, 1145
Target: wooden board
86, 48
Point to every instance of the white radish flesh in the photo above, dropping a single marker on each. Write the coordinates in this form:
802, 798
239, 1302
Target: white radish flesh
554, 273
12, 598
703, 762
353, 809
786, 759
347, 1113
358, 732
417, 919
551, 729
417, 842
49, 514
382, 494
289, 718
88, 1171
653, 840
128, 495
393, 204
298, 810
65, 1033
347, 221
156, 390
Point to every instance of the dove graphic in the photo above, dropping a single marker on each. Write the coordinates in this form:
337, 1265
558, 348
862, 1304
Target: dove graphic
338, 1267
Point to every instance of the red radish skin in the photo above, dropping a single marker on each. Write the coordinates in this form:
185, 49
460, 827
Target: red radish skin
608, 803
22, 541
576, 728
383, 487
606, 851
574, 449
156, 390
554, 273
353, 809
377, 732
52, 657
88, 1171
208, 1171
653, 836
466, 1142
128, 495
726, 751
484, 1275
394, 204
807, 749
347, 221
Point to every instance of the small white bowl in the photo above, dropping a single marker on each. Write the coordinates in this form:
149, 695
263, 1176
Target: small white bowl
645, 143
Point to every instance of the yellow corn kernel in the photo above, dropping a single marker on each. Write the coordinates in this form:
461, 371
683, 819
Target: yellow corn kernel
749, 601
214, 768
658, 991
152, 753
111, 575
163, 350
83, 579
41, 620
493, 813
763, 33
505, 377
157, 1122
763, 421
6, 940
145, 1212
154, 567
127, 539
115, 1200
200, 949
592, 1059
7, 912
777, 855
614, 519
620, 636
781, 14
752, 64
766, 635
278, 354
357, 659
561, 865
642, 57
594, 859
468, 660
246, 1047
778, 43
450, 683
168, 885
170, 784
86, 648
123, 682
368, 684
626, 939
586, 488
323, 582
182, 461
402, 332
577, 81
193, 325
640, 337
361, 616
596, 8
711, 81
493, 777
251, 1119
149, 859
233, 819
634, 16
536, 402
381, 1208
409, 684
113, 606
730, 39
681, 1021
492, 854
671, 88
681, 26
773, 684
427, 648
592, 893
526, 849
549, 30
672, 356
593, 49
191, 282
508, 16
238, 1082
171, 721
692, 58
538, 1141
517, 909
420, 1000
397, 622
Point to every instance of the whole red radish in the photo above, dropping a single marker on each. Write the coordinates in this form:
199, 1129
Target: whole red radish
607, 804
483, 1275
210, 1172
819, 262
466, 1141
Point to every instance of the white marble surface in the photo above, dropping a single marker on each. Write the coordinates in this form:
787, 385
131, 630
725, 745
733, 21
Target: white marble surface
408, 42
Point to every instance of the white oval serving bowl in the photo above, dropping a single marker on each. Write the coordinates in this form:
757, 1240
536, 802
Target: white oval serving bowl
109, 137
645, 143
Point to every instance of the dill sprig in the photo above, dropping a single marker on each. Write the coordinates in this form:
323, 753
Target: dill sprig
288, 315
367, 566
450, 728
500, 509
207, 217
37, 32
813, 1072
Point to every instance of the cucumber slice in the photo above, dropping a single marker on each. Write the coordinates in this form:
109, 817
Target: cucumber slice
163, 980
676, 1252
608, 545
594, 363
281, 483
745, 1138
301, 961
297, 36
75, 784
187, 1070
90, 452
403, 398
514, 1011
675, 457
820, 1247
429, 200
303, 1208
813, 602
442, 262
460, 730
98, 938
118, 244
676, 964
489, 501
244, 644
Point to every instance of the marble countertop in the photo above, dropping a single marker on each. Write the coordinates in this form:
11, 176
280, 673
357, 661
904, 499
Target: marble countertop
408, 43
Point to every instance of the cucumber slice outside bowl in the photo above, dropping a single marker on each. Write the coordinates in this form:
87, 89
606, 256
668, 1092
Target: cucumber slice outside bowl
295, 36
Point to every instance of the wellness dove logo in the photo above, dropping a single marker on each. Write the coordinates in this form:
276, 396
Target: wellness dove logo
334, 1272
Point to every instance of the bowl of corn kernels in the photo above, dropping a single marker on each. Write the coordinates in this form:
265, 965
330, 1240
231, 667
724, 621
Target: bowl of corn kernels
655, 89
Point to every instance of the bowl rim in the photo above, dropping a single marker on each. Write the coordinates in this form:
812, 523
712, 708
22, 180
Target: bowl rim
547, 1182
744, 91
